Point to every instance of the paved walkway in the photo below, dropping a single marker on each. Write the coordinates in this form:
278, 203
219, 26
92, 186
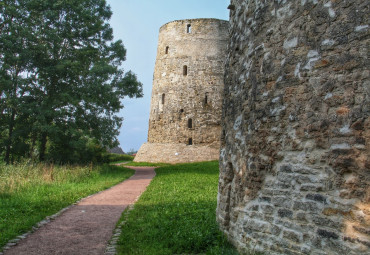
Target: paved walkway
87, 227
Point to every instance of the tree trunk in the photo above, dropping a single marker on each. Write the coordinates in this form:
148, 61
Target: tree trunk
10, 138
33, 144
44, 138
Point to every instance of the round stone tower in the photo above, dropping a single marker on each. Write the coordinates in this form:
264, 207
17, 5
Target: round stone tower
185, 114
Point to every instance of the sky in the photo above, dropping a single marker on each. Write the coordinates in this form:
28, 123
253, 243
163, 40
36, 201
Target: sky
137, 23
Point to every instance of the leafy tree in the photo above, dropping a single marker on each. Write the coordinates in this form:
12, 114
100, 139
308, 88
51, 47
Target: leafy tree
14, 77
72, 78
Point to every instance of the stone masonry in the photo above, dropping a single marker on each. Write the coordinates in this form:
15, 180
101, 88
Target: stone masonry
185, 113
294, 164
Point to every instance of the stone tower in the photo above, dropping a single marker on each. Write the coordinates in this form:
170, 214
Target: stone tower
295, 150
185, 113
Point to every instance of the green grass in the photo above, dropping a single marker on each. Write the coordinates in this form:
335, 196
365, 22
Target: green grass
114, 158
29, 193
176, 214
147, 164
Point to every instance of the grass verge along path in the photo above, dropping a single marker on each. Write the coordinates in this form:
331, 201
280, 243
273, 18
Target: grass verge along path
113, 158
30, 193
176, 214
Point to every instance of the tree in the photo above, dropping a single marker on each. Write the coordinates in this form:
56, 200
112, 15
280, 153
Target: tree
74, 81
14, 77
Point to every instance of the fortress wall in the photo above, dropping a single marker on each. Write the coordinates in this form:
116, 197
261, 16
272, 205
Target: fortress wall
294, 164
195, 96
176, 153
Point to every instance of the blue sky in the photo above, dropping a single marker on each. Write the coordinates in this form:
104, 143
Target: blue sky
137, 23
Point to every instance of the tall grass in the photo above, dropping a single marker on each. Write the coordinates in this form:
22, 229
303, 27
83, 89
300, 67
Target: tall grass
14, 178
30, 192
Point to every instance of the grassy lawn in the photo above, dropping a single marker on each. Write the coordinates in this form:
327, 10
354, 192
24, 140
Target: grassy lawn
30, 193
146, 164
119, 158
176, 214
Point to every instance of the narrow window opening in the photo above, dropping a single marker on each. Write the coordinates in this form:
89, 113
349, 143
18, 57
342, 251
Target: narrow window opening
185, 70
206, 99
190, 123
167, 48
190, 141
163, 97
188, 29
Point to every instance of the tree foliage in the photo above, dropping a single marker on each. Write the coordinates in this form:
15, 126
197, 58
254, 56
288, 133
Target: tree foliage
61, 83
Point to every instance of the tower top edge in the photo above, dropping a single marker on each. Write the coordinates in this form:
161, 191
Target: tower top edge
193, 20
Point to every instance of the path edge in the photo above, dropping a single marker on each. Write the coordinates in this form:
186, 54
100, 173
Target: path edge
48, 219
111, 247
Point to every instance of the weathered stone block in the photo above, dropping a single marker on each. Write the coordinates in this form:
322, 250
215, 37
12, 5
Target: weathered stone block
275, 230
282, 202
327, 234
286, 168
306, 206
284, 213
325, 222
267, 209
317, 197
265, 199
312, 187
293, 236
252, 225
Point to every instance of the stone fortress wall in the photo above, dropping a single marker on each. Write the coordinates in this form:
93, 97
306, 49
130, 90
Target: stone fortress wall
294, 164
185, 112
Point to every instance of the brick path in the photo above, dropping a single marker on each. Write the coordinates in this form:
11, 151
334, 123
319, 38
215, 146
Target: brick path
86, 227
